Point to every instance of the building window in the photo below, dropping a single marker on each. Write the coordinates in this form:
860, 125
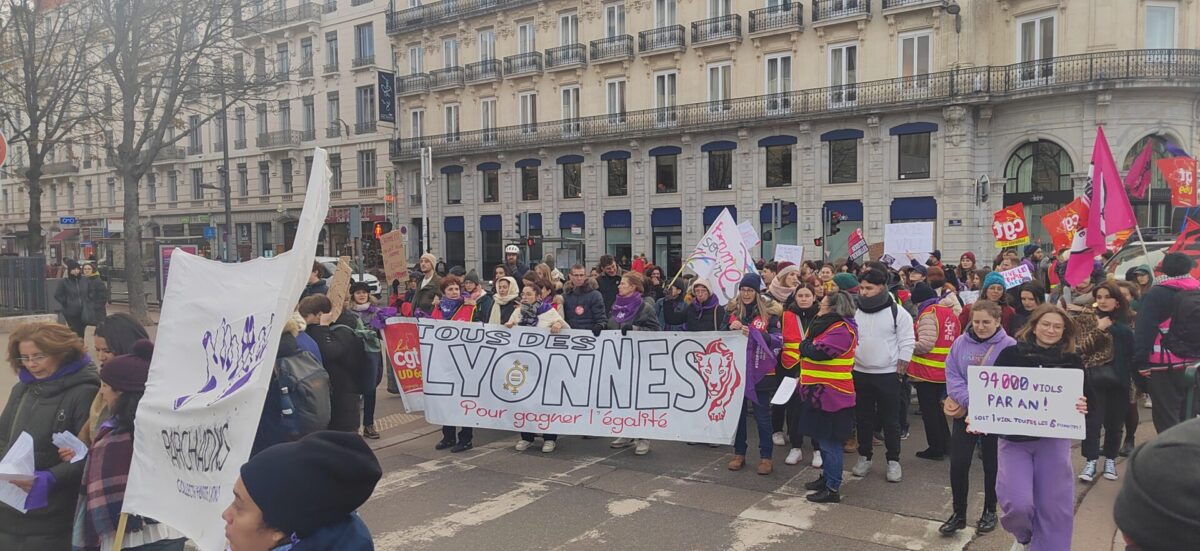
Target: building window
720, 170
331, 51
366, 169
615, 95
285, 169
664, 98
843, 74
151, 191
112, 192
335, 166
572, 180
665, 172
260, 63
779, 82
492, 250
529, 183
914, 156
364, 41
449, 52
417, 119
456, 247
197, 179
618, 177
914, 59
453, 188
71, 196
1038, 167
306, 55
260, 115
450, 122
194, 133
487, 45
243, 180
172, 187
1035, 41
491, 185
618, 243
364, 108
664, 13
487, 118
264, 177
1160, 25
526, 37
528, 112
416, 59
843, 161
285, 115
720, 86
282, 60
779, 165
568, 28
310, 117
333, 111
239, 128
570, 110
614, 19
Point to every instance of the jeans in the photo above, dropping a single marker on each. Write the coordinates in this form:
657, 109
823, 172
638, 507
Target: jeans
937, 433
762, 418
1106, 409
370, 378
962, 453
831, 466
876, 394
793, 424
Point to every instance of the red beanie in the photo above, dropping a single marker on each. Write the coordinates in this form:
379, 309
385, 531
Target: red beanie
128, 372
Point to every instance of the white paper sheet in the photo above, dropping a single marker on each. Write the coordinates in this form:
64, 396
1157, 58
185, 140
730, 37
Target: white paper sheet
67, 440
787, 387
16, 465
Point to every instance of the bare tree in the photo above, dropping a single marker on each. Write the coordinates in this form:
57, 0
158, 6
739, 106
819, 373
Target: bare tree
169, 61
47, 60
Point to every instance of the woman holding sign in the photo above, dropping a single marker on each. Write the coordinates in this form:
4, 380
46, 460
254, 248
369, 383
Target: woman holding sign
1106, 343
992, 289
1034, 483
632, 312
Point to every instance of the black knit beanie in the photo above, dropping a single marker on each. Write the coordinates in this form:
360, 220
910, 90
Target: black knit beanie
1177, 264
1159, 500
316, 481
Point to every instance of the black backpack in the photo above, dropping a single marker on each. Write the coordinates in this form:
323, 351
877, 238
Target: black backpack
1183, 339
304, 392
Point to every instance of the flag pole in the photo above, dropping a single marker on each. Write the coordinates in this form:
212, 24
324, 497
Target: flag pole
120, 536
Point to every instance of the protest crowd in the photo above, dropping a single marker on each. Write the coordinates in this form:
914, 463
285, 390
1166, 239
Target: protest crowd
862, 340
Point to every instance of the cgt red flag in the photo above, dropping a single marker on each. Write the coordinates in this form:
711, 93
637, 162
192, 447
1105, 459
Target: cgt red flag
1189, 243
1180, 174
1062, 223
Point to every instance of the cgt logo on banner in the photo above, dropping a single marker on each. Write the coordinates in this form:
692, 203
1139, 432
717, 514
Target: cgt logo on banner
1009, 228
217, 340
402, 345
661, 386
1062, 223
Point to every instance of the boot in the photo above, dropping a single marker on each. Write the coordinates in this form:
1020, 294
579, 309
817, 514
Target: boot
955, 523
737, 463
825, 495
765, 467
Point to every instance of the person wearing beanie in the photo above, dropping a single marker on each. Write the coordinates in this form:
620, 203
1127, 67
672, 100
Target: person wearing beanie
429, 285
1156, 507
1166, 383
704, 313
373, 319
936, 328
993, 289
102, 489
672, 307
784, 284
759, 319
302, 496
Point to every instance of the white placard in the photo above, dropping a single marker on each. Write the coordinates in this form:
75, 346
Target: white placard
1016, 276
656, 385
789, 253
911, 237
787, 387
1026, 401
749, 234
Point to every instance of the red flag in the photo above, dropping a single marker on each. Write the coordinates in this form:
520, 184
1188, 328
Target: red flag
1189, 243
1180, 173
1008, 226
1137, 180
1061, 224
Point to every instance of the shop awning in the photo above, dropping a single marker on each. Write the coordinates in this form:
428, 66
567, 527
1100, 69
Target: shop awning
711, 213
913, 208
64, 235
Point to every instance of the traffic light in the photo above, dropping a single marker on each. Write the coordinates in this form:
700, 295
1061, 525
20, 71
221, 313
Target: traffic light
835, 218
522, 224
378, 231
530, 242
818, 241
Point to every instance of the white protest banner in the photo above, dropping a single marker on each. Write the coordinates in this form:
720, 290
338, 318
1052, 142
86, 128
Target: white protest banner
656, 385
218, 335
721, 257
911, 237
1017, 276
749, 235
1026, 401
789, 253
402, 352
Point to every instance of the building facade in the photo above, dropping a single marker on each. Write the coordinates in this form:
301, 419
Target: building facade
625, 127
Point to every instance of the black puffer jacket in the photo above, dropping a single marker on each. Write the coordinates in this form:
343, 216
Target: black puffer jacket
341, 352
583, 307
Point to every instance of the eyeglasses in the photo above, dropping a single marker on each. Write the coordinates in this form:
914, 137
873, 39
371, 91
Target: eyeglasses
34, 359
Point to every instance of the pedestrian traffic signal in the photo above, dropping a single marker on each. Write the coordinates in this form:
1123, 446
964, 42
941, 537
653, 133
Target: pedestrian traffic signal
378, 231
817, 242
530, 242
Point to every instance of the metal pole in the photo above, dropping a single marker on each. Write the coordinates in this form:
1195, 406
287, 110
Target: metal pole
426, 175
225, 175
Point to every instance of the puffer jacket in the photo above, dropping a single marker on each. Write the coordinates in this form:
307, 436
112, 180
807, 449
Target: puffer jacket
350, 534
583, 307
41, 408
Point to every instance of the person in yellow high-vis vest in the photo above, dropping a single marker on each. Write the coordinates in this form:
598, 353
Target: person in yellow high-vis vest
936, 328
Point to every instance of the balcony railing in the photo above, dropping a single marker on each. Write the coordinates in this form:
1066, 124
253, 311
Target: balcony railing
60, 167
450, 77
330, 68
825, 10
899, 4
521, 64
330, 6
195, 149
447, 10
218, 146
365, 127
170, 154
613, 48
408, 85
562, 57
279, 139
239, 143
362, 61
724, 28
487, 70
359, 2
308, 135
308, 12
333, 131
673, 38
306, 70
785, 17
977, 85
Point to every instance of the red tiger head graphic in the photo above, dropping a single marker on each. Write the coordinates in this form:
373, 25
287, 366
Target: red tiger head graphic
721, 377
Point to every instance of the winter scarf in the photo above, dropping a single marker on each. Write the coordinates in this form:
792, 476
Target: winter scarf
512, 295
372, 315
625, 308
530, 312
449, 307
779, 292
63, 370
703, 308
103, 490
874, 304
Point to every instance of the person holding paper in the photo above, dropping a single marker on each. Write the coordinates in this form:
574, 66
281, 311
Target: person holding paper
1034, 482
57, 382
1106, 343
756, 317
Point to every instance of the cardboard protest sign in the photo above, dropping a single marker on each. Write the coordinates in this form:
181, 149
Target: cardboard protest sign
1017, 276
911, 237
339, 285
1026, 401
789, 253
721, 257
402, 351
391, 246
1062, 223
1009, 228
218, 335
657, 385
875, 251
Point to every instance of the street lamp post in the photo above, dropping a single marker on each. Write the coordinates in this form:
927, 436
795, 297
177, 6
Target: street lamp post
224, 189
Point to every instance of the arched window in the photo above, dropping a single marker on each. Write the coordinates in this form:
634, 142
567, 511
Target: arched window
1038, 175
1154, 208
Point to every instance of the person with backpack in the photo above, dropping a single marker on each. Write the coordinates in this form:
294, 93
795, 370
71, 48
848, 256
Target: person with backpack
371, 320
343, 355
72, 295
1166, 338
282, 418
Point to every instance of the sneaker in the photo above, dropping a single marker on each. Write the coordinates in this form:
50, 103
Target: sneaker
621, 443
1147, 403
737, 463
794, 456
862, 467
642, 448
777, 439
953, 524
548, 446
817, 462
765, 466
894, 474
904, 434
523, 445
1110, 469
461, 447
816, 485
825, 495
1088, 473
370, 432
444, 444
1126, 448
987, 522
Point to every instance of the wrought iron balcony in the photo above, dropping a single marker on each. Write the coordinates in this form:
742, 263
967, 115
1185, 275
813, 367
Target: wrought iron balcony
442, 79
195, 149
367, 127
565, 57
726, 28
330, 68
900, 5
415, 18
829, 10
306, 70
785, 17
521, 64
487, 70
974, 86
408, 85
280, 20
359, 2
60, 167
308, 135
333, 131
363, 61
280, 139
330, 6
665, 39
613, 48
170, 154
239, 143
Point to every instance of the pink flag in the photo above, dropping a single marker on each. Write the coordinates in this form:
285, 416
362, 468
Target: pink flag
1108, 212
1137, 180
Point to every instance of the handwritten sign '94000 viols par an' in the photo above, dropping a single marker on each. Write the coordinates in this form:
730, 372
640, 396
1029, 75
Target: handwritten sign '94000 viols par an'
1025, 401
